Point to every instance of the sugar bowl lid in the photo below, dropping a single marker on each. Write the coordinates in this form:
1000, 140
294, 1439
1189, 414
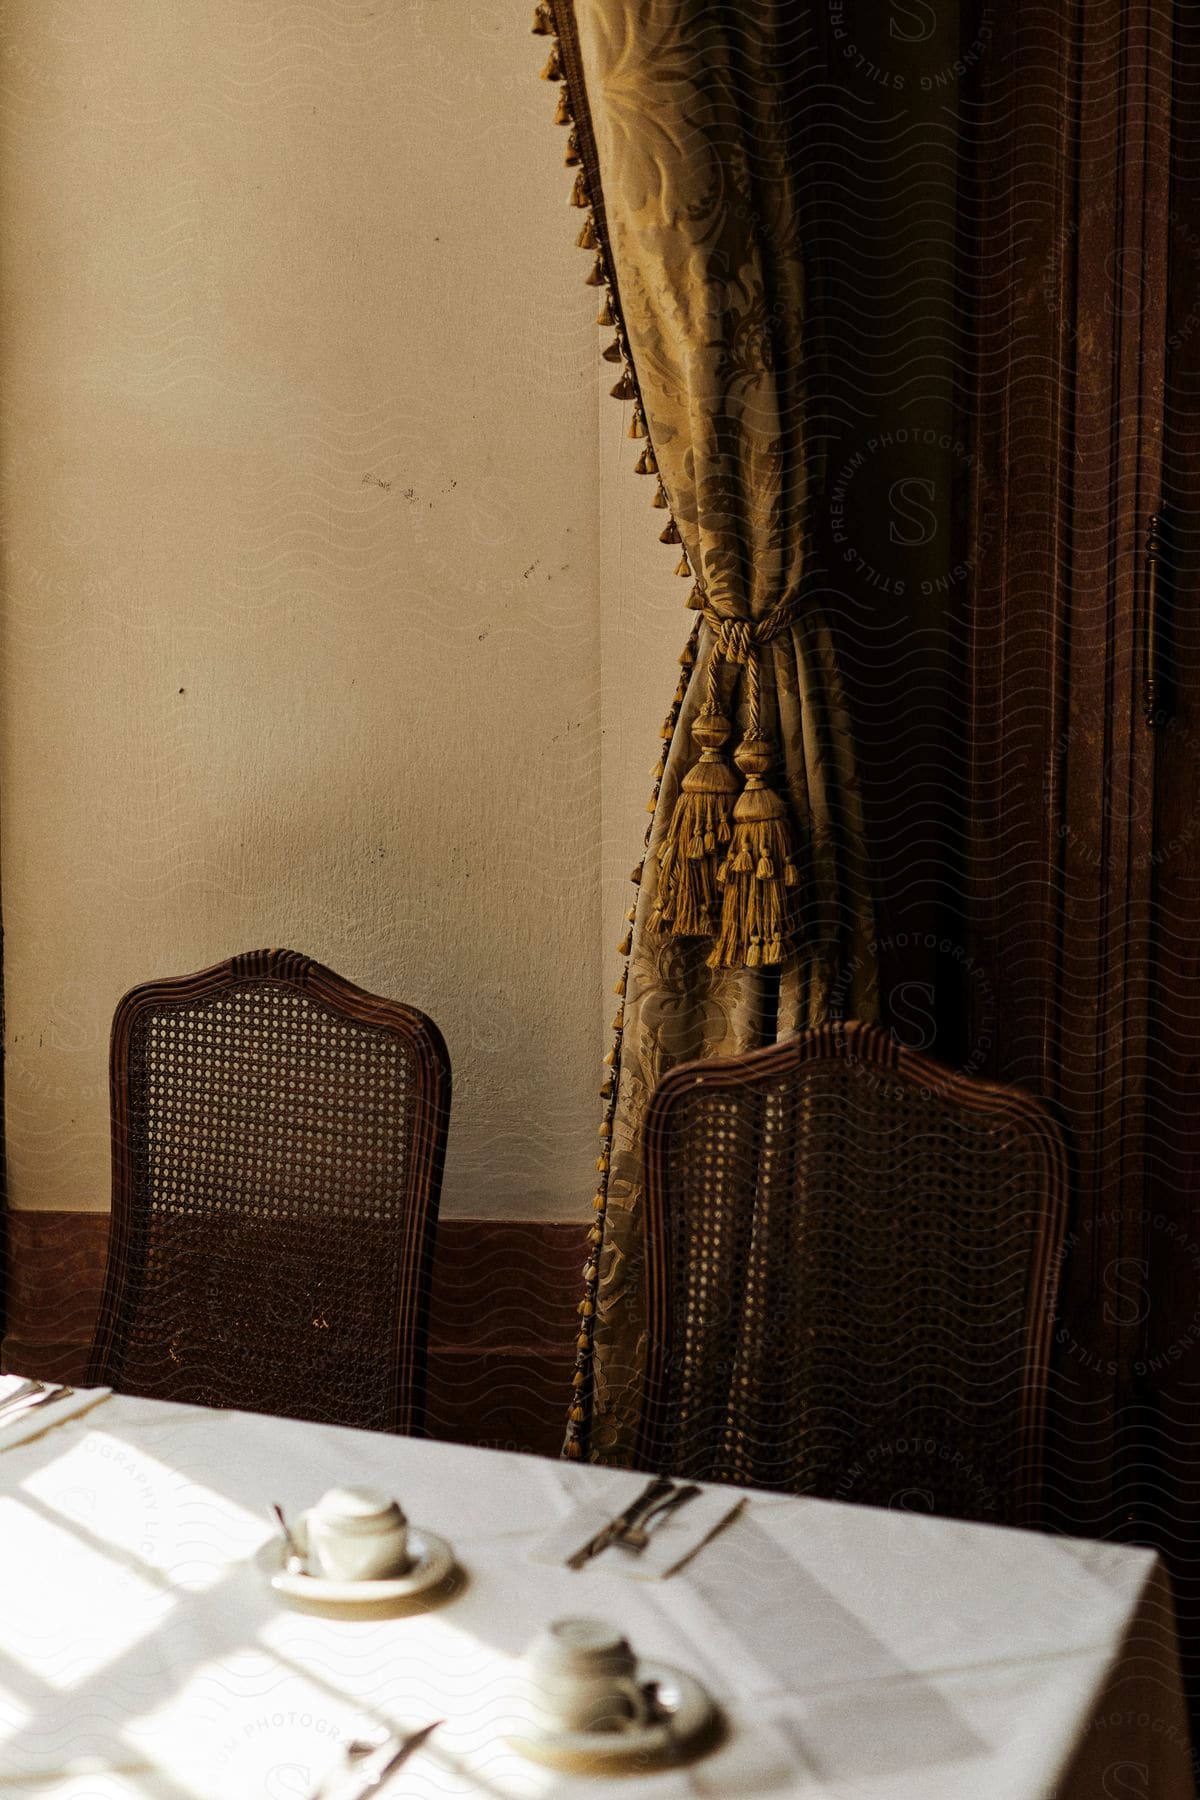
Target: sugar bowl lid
357, 1509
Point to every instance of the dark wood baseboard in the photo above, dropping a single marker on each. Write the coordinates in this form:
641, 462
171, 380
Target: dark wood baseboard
502, 1318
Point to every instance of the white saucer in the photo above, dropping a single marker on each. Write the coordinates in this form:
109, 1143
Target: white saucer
691, 1715
433, 1559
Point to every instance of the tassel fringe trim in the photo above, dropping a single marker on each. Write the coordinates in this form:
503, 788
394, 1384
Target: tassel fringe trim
703, 830
697, 836
728, 866
758, 880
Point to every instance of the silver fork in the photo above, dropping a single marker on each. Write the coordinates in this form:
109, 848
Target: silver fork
20, 1396
608, 1534
636, 1537
31, 1402
359, 1749
407, 1747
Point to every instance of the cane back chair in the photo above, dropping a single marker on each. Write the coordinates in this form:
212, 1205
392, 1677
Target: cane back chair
277, 1146
852, 1257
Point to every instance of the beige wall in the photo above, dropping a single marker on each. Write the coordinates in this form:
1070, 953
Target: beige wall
334, 616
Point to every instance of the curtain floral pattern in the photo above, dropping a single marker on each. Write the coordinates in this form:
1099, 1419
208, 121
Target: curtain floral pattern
752, 918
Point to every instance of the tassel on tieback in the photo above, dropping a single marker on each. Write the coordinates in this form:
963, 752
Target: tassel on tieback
758, 877
688, 896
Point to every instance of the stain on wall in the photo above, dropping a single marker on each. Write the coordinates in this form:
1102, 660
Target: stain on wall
307, 639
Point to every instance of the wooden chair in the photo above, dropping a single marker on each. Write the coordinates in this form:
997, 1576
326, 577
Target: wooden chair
277, 1138
852, 1258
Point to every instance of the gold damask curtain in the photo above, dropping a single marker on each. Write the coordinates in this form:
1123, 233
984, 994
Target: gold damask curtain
752, 919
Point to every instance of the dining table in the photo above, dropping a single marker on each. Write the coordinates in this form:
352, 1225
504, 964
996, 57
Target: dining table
851, 1653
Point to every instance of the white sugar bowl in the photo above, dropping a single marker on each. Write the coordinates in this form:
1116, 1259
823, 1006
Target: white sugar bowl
357, 1534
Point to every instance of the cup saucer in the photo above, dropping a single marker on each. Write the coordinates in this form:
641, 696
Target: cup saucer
432, 1561
690, 1722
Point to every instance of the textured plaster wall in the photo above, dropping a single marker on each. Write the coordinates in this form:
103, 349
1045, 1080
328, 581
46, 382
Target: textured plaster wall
333, 614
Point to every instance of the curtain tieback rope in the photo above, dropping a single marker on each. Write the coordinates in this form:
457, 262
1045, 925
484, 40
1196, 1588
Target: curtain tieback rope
737, 638
727, 866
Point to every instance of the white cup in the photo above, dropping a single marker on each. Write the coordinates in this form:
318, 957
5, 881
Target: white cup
580, 1675
357, 1534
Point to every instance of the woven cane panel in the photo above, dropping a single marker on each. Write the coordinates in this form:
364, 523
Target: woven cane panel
851, 1262
270, 1146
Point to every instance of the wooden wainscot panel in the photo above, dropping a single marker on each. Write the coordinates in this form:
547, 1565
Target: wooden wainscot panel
502, 1318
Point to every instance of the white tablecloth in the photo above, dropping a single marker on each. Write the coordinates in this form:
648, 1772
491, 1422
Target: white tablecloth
857, 1654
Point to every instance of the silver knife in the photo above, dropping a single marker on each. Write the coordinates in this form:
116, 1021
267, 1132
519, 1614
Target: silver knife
409, 1747
722, 1524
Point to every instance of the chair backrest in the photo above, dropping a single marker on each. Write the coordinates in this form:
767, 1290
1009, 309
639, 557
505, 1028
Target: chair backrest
852, 1257
278, 1138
